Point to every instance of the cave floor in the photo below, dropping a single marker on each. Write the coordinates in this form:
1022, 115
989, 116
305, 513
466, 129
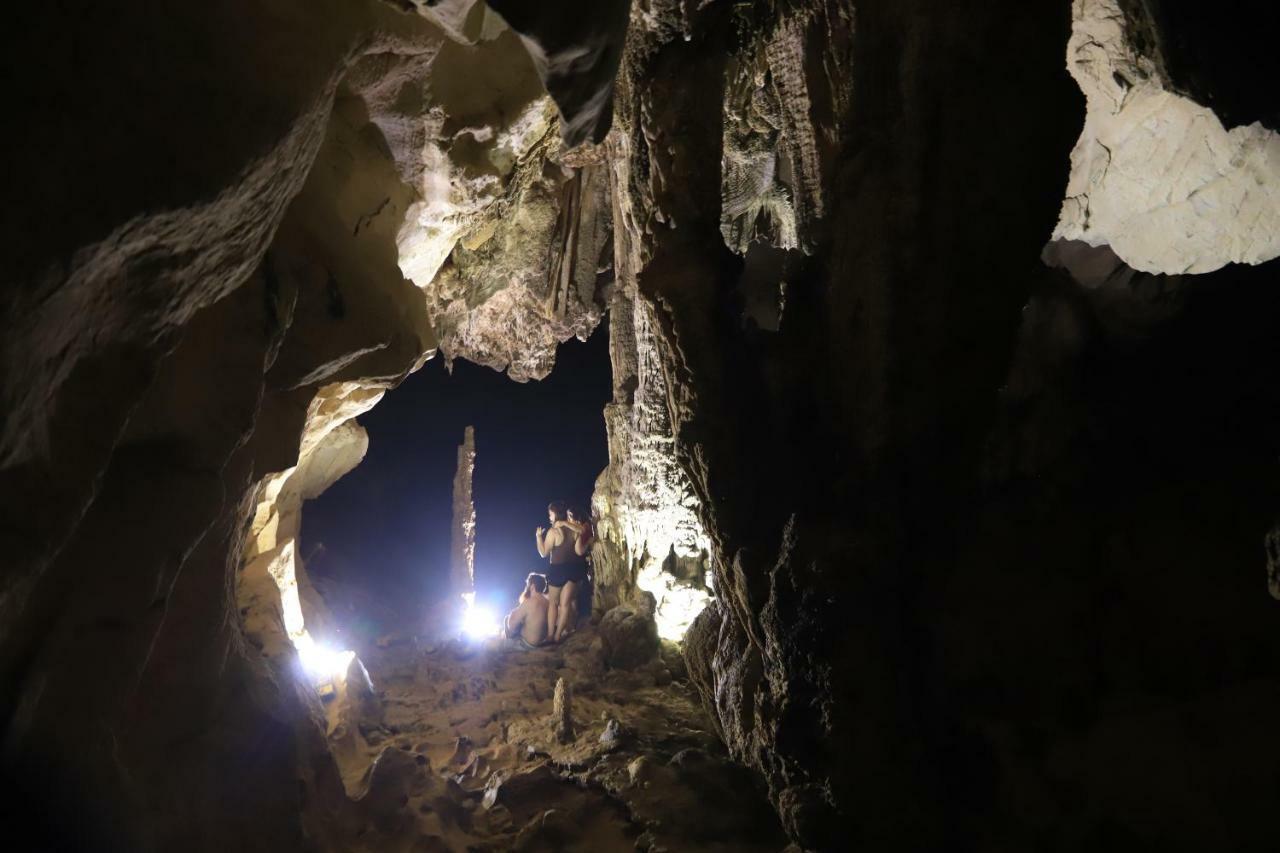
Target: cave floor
466, 757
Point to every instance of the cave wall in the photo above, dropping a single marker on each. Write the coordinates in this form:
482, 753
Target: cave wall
185, 350
985, 530
987, 548
649, 535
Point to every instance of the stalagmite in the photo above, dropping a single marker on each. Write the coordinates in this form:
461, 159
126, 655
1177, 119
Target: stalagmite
562, 712
462, 552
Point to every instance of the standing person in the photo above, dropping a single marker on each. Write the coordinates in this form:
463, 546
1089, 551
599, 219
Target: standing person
529, 617
585, 529
566, 572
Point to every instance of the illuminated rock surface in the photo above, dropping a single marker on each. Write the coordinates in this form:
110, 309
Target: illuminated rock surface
462, 542
989, 538
1155, 175
469, 755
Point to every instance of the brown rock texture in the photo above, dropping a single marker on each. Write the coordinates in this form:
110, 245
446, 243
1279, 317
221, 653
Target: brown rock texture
938, 479
989, 536
471, 754
199, 300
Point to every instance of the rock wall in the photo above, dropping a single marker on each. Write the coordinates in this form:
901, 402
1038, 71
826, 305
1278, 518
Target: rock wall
205, 289
986, 536
650, 538
966, 595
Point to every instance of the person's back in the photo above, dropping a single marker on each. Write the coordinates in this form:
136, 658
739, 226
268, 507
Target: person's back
534, 629
561, 544
530, 616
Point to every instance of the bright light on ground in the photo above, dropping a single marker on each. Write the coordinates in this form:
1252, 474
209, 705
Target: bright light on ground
322, 663
478, 621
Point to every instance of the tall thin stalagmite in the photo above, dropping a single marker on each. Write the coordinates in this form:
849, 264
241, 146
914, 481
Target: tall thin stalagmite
462, 551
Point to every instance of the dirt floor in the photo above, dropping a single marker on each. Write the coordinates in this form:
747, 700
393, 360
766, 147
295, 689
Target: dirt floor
466, 747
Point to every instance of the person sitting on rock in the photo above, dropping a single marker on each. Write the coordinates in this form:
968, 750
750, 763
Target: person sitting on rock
566, 572
527, 623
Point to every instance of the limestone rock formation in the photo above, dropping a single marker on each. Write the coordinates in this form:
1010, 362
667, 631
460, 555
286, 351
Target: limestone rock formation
986, 535
562, 712
1151, 163
494, 232
650, 538
462, 541
534, 274
182, 356
905, 471
630, 636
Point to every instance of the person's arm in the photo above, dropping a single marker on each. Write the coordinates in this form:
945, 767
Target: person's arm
586, 537
514, 620
539, 538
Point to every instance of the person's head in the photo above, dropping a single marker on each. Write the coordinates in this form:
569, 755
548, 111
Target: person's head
534, 583
576, 514
555, 511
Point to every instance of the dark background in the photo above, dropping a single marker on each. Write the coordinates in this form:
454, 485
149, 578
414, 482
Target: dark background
383, 530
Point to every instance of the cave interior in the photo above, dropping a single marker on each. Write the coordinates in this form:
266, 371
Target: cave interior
912, 360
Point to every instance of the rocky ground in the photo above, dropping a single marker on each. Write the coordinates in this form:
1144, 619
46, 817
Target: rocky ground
477, 747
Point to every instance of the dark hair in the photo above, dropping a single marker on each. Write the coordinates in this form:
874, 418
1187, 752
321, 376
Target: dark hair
577, 513
537, 582
556, 508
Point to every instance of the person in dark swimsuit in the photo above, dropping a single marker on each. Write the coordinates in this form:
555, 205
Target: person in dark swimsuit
566, 570
585, 531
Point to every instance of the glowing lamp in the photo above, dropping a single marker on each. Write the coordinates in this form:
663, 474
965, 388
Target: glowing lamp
478, 621
324, 664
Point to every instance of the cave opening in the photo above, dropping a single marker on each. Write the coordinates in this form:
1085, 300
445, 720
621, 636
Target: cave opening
377, 543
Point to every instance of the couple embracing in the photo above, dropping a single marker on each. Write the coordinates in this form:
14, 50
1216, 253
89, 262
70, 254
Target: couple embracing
565, 545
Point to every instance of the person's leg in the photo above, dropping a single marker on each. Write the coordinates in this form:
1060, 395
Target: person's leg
567, 592
553, 610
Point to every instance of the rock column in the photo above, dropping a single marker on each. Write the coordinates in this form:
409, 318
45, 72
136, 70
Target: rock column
462, 552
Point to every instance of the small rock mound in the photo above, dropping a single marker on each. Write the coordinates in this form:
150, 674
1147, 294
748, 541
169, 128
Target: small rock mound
630, 638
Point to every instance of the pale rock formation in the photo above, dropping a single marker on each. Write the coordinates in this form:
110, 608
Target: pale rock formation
505, 242
772, 186
1156, 175
332, 444
562, 712
462, 533
649, 536
534, 274
574, 48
